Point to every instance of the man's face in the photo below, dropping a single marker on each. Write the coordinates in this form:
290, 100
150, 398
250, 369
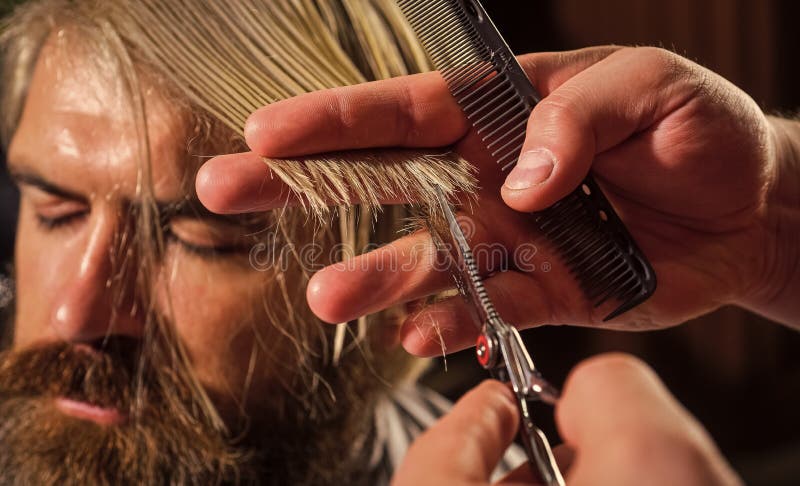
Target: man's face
76, 157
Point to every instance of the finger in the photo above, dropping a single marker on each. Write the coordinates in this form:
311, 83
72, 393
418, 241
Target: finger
449, 324
565, 456
242, 183
523, 475
627, 398
520, 476
405, 270
399, 272
633, 427
409, 111
590, 113
238, 183
549, 70
467, 443
525, 300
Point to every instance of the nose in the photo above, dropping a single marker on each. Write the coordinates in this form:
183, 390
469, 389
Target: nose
96, 300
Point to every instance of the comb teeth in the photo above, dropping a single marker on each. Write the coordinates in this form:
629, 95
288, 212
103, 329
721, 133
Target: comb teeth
448, 22
476, 75
597, 250
497, 97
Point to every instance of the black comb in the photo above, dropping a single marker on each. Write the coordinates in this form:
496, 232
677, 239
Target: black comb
496, 95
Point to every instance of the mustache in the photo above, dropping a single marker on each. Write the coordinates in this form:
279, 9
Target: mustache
104, 376
166, 441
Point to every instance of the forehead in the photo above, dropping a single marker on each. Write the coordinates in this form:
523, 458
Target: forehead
78, 125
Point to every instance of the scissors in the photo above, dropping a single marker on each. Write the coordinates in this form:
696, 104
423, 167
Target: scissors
500, 350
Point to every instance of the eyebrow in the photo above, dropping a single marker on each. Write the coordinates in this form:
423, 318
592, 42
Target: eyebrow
30, 178
188, 207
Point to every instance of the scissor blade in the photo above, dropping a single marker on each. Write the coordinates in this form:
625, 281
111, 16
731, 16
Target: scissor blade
468, 268
526, 381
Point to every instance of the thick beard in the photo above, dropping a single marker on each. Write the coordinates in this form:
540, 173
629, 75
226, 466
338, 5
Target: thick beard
166, 439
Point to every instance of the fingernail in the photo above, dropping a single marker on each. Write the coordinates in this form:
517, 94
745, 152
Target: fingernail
533, 169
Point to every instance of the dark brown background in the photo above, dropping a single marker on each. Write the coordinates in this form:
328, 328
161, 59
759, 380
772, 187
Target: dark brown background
739, 374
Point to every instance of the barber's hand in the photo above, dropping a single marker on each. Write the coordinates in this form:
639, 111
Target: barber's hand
687, 159
621, 424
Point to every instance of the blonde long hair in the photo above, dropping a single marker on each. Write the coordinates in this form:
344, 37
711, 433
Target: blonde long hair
220, 61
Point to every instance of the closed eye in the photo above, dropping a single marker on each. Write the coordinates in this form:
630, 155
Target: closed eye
53, 223
207, 238
205, 250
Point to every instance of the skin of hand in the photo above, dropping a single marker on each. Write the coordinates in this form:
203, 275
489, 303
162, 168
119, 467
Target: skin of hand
635, 433
691, 164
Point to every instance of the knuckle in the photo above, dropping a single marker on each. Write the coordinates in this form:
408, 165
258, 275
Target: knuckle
658, 57
482, 427
562, 106
678, 77
493, 409
666, 66
343, 111
405, 115
470, 432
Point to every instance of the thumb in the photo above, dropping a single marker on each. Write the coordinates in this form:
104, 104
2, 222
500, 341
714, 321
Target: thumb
465, 446
593, 111
624, 425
